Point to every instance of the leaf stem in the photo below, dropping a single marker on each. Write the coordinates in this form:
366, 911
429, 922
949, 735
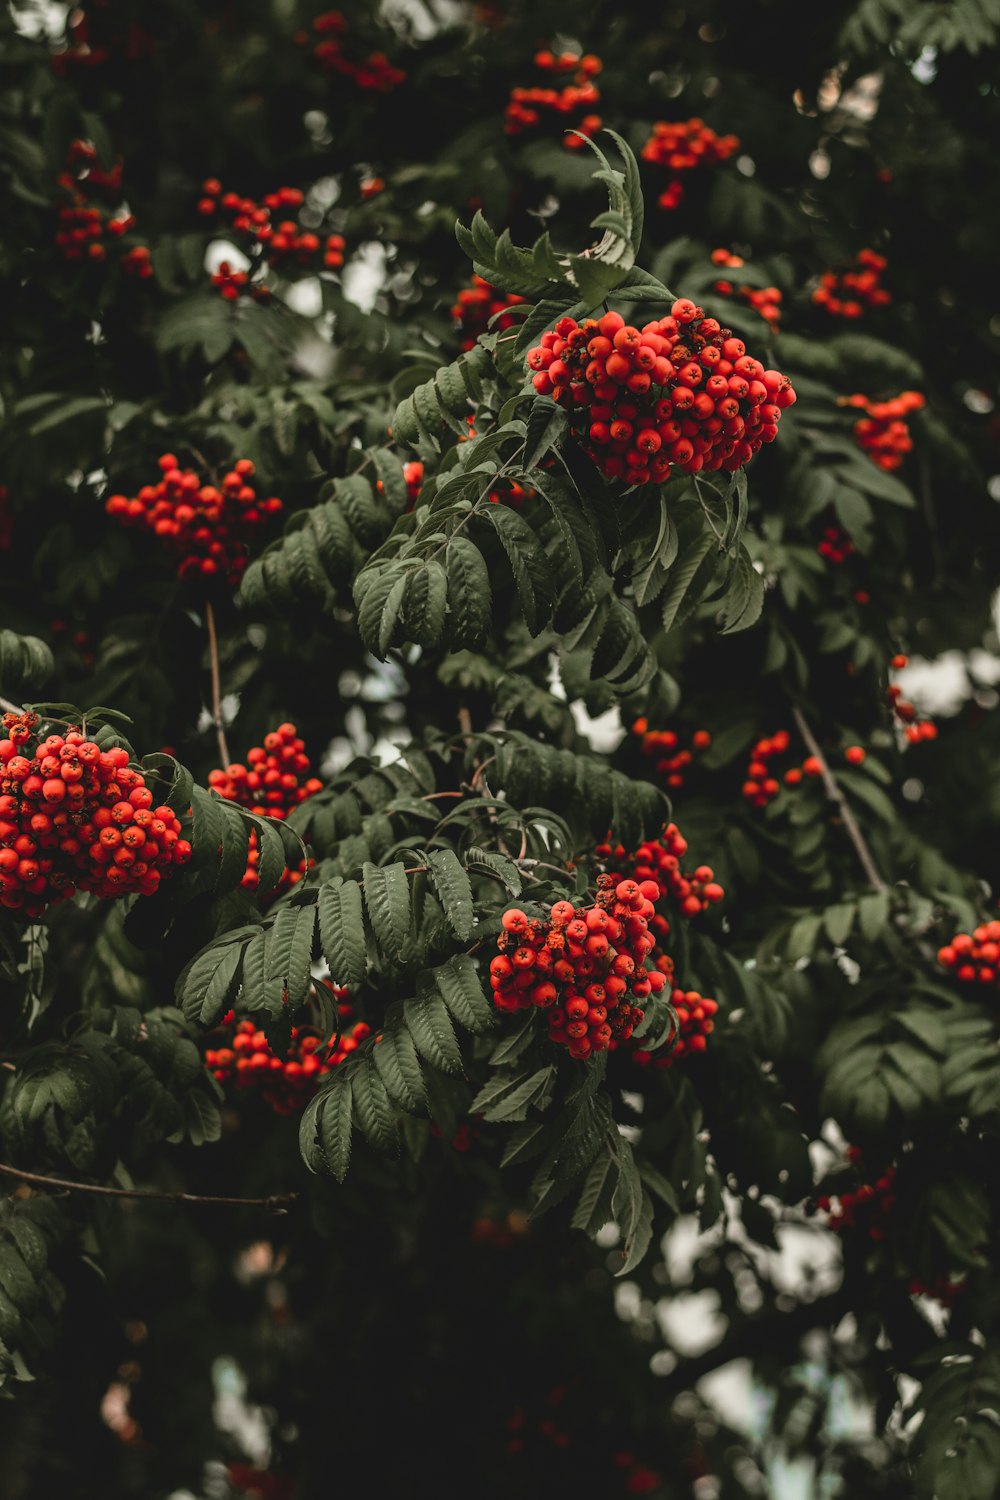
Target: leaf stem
213, 658
276, 1202
837, 797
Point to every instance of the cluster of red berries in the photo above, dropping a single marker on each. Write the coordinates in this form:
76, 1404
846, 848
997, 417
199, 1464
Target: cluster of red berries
681, 392
681, 146
285, 245
695, 1024
660, 861
882, 432
526, 108
762, 785
374, 72
91, 39
207, 526
285, 1083
974, 957
914, 728
88, 230
673, 763
836, 546
274, 781
476, 304
232, 285
867, 1208
640, 1479
764, 300
846, 294
76, 817
584, 967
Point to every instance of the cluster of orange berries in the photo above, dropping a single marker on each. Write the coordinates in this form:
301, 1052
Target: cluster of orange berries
681, 146
76, 817
762, 786
274, 781
374, 72
695, 1024
660, 862
672, 763
476, 304
584, 966
846, 294
88, 230
285, 245
882, 432
527, 107
914, 728
500, 1234
764, 300
681, 392
207, 526
836, 546
974, 957
285, 1083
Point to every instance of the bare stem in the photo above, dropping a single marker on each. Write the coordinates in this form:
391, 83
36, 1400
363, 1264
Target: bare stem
277, 1202
213, 657
837, 797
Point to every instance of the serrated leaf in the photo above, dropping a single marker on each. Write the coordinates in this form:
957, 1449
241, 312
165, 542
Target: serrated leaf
387, 900
454, 891
342, 931
433, 1033
462, 990
371, 1102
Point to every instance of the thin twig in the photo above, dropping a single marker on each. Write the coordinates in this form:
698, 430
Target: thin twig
275, 1202
837, 797
213, 657
465, 721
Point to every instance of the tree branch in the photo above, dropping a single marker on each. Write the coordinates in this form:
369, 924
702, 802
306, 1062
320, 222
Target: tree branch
213, 657
837, 797
276, 1202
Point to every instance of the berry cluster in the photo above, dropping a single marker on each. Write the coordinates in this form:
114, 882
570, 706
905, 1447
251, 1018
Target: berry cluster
764, 300
867, 1208
88, 230
914, 728
681, 146
76, 817
695, 1024
476, 304
285, 1083
274, 781
374, 72
500, 1234
526, 108
206, 526
846, 294
660, 862
762, 785
673, 762
882, 432
679, 392
836, 546
232, 284
974, 957
284, 244
93, 37
584, 966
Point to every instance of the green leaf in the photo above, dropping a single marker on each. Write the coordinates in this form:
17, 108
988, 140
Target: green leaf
744, 597
372, 1105
462, 990
342, 931
430, 1026
387, 900
507, 1098
454, 891
399, 1066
